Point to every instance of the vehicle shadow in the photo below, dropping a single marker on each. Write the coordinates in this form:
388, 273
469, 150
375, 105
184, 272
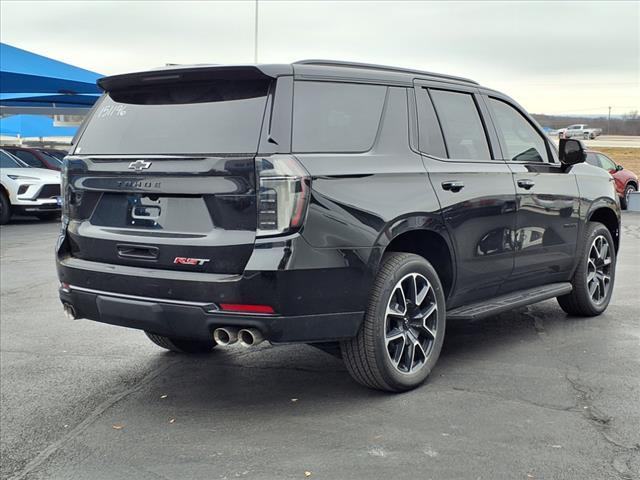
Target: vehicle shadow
27, 220
265, 378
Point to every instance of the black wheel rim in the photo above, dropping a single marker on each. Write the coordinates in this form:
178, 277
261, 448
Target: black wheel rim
599, 270
411, 323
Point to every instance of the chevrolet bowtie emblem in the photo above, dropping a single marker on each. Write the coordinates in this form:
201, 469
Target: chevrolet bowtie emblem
139, 165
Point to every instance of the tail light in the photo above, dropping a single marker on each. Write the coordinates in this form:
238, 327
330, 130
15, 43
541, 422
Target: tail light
283, 194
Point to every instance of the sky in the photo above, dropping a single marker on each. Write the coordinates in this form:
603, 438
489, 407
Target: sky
575, 57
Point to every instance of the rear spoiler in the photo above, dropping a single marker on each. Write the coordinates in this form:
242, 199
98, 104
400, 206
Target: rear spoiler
192, 73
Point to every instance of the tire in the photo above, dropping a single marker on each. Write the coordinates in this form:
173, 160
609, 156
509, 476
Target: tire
386, 332
5, 208
628, 190
180, 345
592, 269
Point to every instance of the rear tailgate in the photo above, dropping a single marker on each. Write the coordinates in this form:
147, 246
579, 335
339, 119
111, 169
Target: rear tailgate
196, 214
163, 175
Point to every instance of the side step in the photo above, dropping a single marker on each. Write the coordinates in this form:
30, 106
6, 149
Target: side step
509, 301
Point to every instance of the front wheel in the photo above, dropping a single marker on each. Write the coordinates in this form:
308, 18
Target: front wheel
624, 201
181, 345
593, 279
403, 328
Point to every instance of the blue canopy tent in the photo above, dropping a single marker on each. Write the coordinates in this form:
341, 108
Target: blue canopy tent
32, 84
33, 126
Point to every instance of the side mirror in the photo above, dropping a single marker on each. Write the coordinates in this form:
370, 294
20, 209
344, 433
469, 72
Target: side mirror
572, 151
619, 167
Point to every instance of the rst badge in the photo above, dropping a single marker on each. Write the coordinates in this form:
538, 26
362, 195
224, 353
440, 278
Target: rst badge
190, 261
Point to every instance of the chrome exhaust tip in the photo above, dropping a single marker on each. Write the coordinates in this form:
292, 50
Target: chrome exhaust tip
225, 336
250, 337
69, 311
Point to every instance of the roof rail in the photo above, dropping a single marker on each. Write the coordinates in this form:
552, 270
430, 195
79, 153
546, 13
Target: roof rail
370, 66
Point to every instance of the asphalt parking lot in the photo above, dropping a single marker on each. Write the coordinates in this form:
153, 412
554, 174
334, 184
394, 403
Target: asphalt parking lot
530, 394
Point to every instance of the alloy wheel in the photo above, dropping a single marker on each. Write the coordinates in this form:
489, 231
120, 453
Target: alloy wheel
599, 269
411, 323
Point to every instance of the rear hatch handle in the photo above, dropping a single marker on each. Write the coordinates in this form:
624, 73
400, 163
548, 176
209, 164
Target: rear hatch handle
141, 252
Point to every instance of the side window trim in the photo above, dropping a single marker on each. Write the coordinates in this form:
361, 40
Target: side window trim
550, 157
435, 110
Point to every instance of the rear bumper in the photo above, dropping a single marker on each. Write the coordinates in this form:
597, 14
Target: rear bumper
194, 320
318, 294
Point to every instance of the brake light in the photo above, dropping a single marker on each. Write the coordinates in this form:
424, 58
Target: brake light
246, 308
283, 194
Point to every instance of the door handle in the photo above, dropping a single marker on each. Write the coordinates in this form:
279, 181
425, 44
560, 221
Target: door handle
142, 252
453, 185
526, 184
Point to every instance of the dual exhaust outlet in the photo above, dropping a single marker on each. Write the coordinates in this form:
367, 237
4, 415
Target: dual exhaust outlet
248, 337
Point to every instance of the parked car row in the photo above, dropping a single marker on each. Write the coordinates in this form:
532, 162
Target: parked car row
29, 183
48, 158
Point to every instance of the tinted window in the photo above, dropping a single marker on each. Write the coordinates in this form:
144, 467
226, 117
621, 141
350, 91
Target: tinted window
336, 117
59, 154
606, 162
7, 162
56, 162
430, 136
593, 160
461, 124
521, 141
28, 158
221, 116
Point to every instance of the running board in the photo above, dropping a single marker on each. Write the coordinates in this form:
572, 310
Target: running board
509, 301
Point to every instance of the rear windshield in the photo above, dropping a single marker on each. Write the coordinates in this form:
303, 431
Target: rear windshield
218, 117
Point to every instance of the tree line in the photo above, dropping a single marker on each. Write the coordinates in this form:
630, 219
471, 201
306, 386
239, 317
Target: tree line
627, 124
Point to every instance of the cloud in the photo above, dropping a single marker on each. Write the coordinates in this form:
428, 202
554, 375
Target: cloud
549, 55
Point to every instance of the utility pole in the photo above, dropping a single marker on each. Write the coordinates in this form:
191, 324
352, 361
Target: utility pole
255, 36
608, 120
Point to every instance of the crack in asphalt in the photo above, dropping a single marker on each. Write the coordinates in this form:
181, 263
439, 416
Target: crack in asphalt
45, 454
556, 408
601, 421
623, 453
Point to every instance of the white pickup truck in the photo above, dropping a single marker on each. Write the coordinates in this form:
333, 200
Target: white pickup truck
579, 130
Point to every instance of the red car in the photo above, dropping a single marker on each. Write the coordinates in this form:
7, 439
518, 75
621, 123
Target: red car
626, 180
34, 157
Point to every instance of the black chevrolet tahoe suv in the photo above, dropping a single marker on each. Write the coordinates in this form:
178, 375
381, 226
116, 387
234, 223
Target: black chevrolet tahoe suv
354, 207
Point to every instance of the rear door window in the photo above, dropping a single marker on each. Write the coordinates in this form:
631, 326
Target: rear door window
521, 141
336, 117
462, 126
216, 117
